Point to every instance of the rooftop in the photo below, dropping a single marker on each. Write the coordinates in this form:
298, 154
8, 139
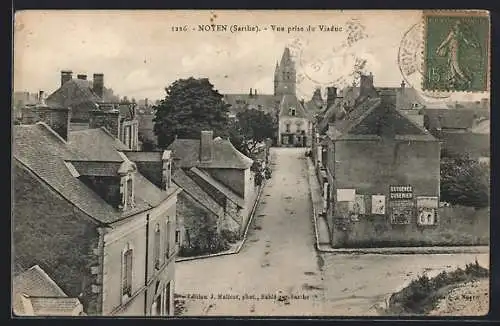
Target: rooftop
39, 149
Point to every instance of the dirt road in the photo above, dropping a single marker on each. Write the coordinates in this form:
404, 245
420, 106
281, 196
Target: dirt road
280, 268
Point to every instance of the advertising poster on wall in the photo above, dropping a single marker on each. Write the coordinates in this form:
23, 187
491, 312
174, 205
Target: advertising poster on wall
427, 210
378, 204
401, 204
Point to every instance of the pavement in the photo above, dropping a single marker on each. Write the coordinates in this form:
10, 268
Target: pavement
278, 271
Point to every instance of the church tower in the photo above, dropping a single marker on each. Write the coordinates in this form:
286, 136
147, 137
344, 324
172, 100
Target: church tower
285, 75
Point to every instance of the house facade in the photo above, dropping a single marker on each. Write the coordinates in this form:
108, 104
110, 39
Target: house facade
84, 212
383, 175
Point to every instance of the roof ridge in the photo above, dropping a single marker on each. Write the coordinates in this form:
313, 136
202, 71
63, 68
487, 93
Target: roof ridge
92, 218
52, 131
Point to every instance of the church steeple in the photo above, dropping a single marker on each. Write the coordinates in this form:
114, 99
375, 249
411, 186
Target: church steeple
285, 75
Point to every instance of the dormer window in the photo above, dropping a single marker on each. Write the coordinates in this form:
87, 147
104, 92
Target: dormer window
126, 172
292, 112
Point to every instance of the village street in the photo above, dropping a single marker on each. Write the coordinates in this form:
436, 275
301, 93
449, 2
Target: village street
279, 258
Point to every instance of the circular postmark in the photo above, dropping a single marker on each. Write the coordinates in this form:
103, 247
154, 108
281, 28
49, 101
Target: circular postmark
410, 62
321, 66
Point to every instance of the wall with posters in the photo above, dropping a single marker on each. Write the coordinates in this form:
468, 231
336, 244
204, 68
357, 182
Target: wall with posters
387, 194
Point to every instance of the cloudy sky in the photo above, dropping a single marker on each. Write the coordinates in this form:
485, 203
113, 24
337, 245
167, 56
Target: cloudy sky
139, 53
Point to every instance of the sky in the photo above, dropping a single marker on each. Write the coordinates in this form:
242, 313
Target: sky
139, 53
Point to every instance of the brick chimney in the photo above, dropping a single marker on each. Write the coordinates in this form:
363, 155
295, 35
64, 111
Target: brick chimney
81, 76
41, 98
66, 75
331, 95
109, 119
206, 145
56, 118
98, 85
366, 86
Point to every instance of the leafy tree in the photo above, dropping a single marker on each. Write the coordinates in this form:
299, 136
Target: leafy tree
191, 105
148, 144
250, 128
464, 181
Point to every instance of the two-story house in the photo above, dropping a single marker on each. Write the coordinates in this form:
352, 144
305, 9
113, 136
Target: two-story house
383, 175
85, 214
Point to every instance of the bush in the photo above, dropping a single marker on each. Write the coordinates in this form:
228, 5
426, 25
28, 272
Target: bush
204, 246
230, 236
421, 295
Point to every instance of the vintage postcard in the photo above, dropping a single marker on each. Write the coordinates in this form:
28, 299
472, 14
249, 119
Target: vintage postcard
251, 163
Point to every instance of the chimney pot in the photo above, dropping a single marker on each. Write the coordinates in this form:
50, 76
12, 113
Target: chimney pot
98, 84
82, 76
66, 75
206, 145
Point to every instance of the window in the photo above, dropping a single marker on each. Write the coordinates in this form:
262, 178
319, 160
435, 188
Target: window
127, 272
130, 197
292, 112
287, 127
167, 239
177, 236
129, 134
157, 243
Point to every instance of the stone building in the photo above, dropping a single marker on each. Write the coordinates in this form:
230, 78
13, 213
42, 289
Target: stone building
383, 175
85, 213
216, 178
292, 120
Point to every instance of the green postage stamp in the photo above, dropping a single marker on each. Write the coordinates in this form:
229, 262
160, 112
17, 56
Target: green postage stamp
457, 51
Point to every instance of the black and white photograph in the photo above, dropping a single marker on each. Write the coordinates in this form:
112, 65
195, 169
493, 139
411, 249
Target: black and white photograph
190, 163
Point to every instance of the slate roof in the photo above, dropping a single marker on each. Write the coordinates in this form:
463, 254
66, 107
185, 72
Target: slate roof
265, 102
449, 118
54, 306
97, 144
34, 282
78, 91
288, 101
190, 187
228, 193
342, 128
225, 156
96, 168
38, 149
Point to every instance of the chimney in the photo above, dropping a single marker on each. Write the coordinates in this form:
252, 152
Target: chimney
331, 95
146, 102
98, 85
41, 99
250, 92
56, 118
166, 160
255, 92
81, 76
206, 145
66, 75
366, 85
109, 119
403, 86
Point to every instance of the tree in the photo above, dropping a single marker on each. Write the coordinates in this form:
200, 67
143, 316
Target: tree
190, 106
464, 181
251, 128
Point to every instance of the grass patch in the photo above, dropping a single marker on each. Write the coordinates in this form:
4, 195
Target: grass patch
422, 294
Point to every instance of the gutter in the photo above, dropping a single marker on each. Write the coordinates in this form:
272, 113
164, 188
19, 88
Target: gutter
147, 264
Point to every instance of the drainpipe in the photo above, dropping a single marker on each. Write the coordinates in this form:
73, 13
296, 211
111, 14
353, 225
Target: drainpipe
146, 267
